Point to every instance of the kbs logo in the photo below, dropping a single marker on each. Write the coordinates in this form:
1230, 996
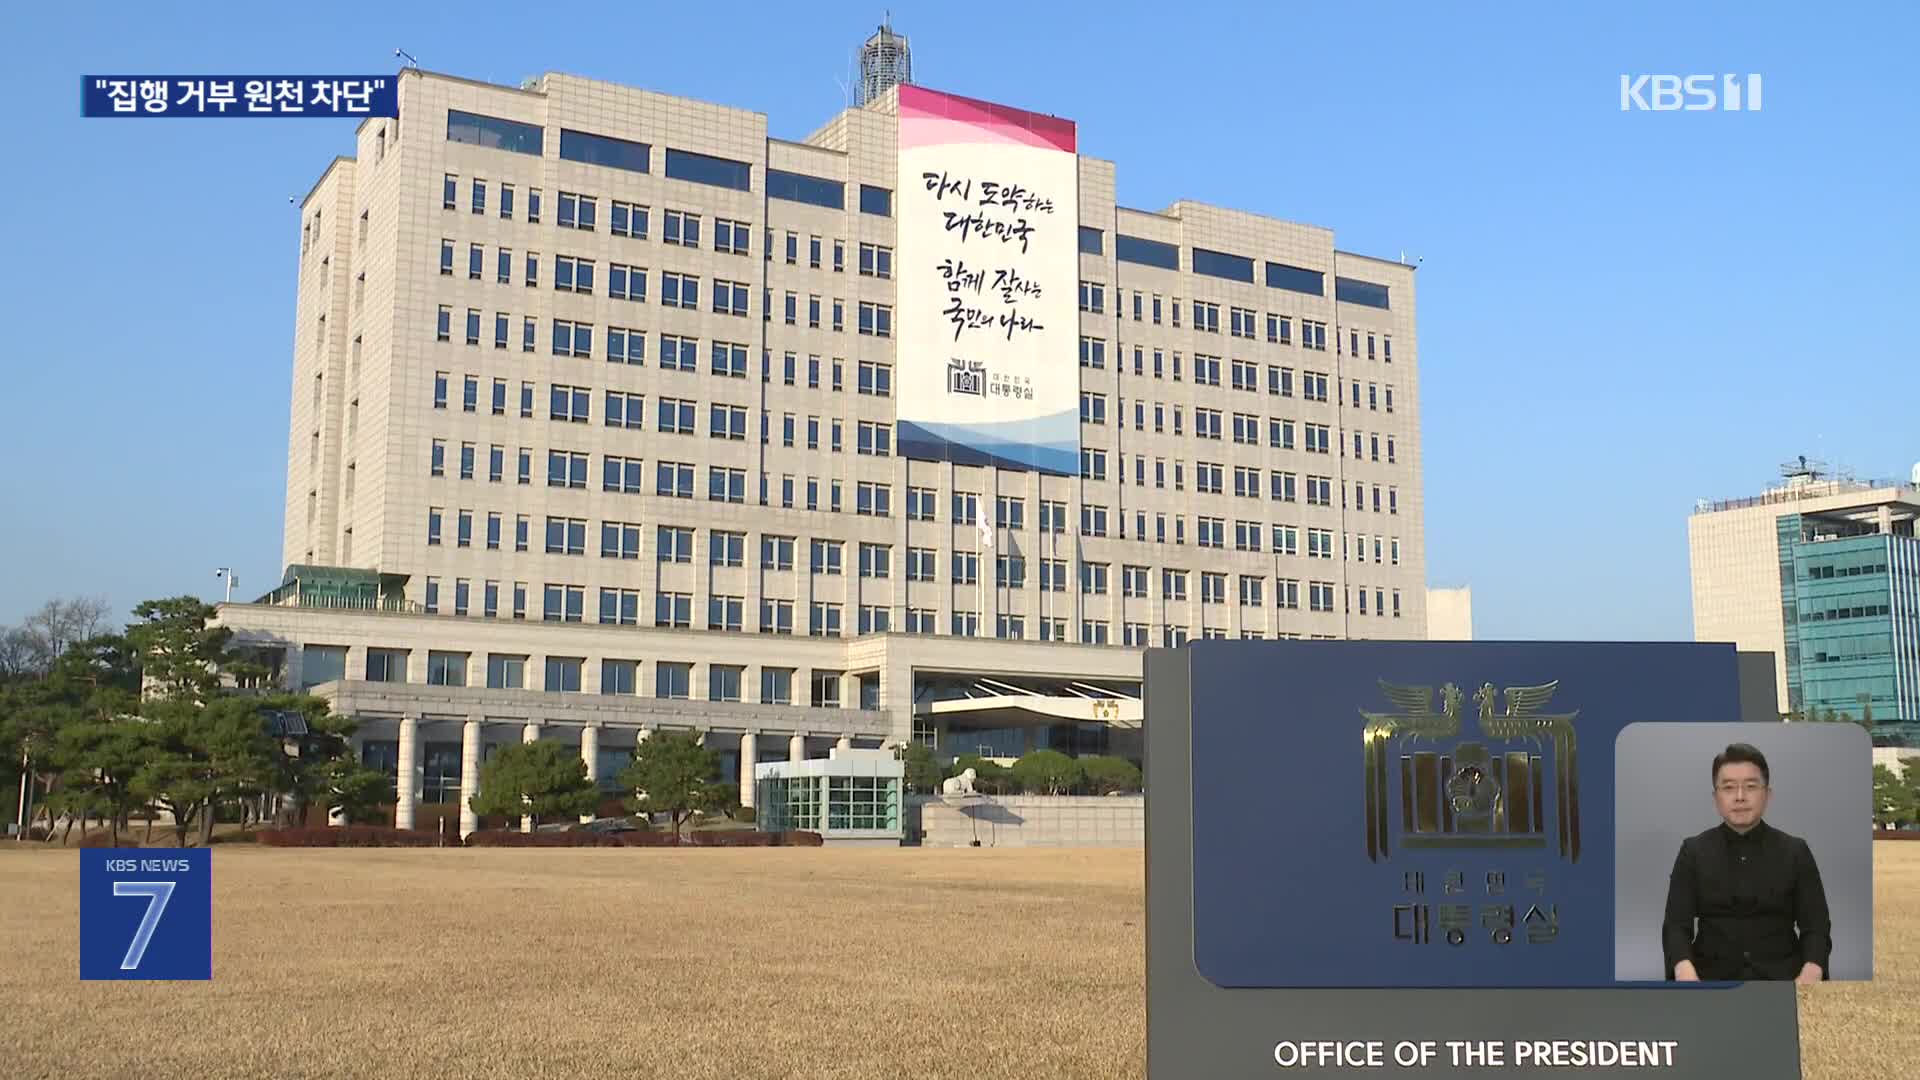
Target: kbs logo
1689, 93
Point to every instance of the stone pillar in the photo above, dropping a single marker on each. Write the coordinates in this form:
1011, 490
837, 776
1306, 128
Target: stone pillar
749, 754
528, 734
469, 775
590, 755
1885, 520
843, 743
797, 748
409, 752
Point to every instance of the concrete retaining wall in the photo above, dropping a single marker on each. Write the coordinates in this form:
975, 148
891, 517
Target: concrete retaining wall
1029, 820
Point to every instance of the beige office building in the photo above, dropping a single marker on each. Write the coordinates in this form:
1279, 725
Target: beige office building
593, 432
1450, 614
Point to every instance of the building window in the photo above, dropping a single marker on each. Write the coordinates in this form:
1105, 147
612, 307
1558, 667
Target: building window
705, 169
494, 133
673, 680
673, 610
619, 677
682, 228
563, 603
604, 150
563, 675
876, 320
776, 686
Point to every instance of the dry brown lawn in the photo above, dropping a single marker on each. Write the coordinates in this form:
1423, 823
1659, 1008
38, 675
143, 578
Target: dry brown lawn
769, 963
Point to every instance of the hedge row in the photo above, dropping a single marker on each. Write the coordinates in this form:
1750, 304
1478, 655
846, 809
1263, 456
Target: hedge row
728, 838
349, 836
376, 836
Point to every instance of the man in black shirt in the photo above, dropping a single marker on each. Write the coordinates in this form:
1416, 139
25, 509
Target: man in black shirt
1753, 890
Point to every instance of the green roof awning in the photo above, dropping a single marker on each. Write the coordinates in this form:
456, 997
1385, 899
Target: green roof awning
337, 577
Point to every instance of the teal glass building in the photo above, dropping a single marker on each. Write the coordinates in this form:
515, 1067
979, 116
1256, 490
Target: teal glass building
1850, 605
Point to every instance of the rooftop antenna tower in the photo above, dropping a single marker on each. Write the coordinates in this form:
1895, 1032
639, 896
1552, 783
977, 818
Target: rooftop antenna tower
1803, 468
885, 62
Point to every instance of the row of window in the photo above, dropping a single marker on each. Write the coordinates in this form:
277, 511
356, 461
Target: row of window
620, 409
676, 352
1240, 322
1825, 573
573, 338
680, 352
622, 540
674, 610
675, 544
1247, 428
673, 679
570, 469
611, 152
1209, 477
1206, 369
677, 290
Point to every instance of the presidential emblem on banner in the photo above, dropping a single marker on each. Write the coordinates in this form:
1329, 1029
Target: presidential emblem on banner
1513, 784
966, 377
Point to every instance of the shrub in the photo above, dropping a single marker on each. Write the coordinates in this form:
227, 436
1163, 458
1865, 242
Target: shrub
1106, 775
349, 836
1046, 772
249, 837
923, 773
988, 777
577, 838
102, 838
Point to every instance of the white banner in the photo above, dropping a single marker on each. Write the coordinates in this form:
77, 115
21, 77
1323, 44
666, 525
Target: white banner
987, 278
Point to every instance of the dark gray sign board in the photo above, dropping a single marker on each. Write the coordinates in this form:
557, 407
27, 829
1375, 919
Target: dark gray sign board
1198, 1029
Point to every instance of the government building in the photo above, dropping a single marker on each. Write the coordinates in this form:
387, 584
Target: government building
1823, 572
612, 412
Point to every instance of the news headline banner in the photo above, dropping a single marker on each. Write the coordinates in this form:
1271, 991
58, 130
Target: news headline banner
129, 96
1420, 814
1383, 1013
146, 913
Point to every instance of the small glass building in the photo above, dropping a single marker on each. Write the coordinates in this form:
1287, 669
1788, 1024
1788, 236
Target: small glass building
850, 797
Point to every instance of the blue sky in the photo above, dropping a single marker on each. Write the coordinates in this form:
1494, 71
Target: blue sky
1619, 312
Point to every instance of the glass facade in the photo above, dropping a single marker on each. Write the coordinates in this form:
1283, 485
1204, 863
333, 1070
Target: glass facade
440, 773
862, 803
383, 755
1850, 604
830, 804
790, 803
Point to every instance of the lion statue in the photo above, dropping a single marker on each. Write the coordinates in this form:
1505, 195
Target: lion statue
958, 785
